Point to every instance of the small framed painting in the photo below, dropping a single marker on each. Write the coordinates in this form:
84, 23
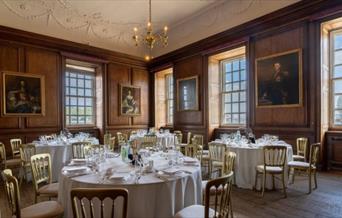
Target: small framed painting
130, 100
187, 94
23, 94
279, 80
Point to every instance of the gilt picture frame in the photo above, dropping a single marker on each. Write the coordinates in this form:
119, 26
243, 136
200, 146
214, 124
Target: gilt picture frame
279, 80
23, 94
187, 94
130, 100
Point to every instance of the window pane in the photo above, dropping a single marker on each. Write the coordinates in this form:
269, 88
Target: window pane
88, 92
73, 110
227, 108
80, 83
236, 86
73, 101
235, 108
242, 96
228, 77
235, 76
338, 86
228, 67
243, 107
72, 91
88, 83
81, 101
227, 97
89, 111
242, 118
73, 120
235, 119
228, 87
235, 96
243, 75
243, 85
338, 41
243, 64
89, 102
337, 57
73, 82
236, 65
227, 118
338, 71
338, 117
81, 120
89, 120
81, 110
338, 102
80, 92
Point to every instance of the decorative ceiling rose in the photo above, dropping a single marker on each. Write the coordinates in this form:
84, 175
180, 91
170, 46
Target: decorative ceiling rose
150, 38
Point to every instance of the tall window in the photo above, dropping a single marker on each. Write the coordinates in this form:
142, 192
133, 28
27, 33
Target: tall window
233, 74
336, 76
169, 98
79, 96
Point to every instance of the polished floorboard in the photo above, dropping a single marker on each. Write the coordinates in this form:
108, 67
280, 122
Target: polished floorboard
325, 202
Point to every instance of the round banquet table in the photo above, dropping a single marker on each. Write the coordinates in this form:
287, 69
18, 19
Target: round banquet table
247, 158
61, 154
155, 195
164, 139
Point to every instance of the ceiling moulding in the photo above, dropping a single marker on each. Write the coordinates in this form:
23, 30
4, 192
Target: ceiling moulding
300, 11
92, 24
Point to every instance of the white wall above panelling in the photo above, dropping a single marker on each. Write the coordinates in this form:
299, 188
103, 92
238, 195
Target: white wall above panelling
109, 23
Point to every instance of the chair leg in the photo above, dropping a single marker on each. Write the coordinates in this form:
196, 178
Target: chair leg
231, 207
256, 180
273, 183
315, 179
309, 181
284, 186
210, 169
263, 184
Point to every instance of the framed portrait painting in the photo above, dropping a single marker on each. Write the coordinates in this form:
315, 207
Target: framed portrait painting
187, 94
130, 100
23, 94
279, 80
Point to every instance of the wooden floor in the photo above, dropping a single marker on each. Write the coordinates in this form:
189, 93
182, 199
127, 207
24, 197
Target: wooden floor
325, 202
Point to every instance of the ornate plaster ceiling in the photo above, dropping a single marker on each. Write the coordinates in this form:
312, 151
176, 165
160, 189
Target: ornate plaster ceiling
109, 23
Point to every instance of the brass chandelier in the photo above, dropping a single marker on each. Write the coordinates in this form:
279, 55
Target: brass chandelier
150, 38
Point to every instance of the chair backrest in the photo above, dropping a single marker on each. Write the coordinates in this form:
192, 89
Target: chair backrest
122, 138
188, 138
12, 192
15, 145
27, 151
41, 169
302, 144
178, 137
78, 149
2, 154
148, 141
80, 195
275, 155
314, 153
229, 163
217, 151
191, 150
197, 140
112, 143
222, 198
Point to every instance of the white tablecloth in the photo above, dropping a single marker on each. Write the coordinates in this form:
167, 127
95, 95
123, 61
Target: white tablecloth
151, 197
164, 139
60, 154
247, 158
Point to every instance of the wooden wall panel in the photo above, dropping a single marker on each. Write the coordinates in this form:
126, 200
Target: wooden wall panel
187, 68
117, 74
46, 63
9, 60
140, 78
277, 43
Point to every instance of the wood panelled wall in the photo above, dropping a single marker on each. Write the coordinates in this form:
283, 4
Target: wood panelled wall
293, 27
36, 54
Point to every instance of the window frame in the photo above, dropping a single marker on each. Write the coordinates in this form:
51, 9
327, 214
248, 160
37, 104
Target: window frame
332, 94
83, 70
169, 88
222, 92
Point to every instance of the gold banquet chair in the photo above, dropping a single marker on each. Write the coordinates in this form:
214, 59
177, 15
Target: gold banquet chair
26, 152
274, 164
11, 163
122, 138
80, 197
221, 207
302, 144
149, 141
15, 146
216, 153
41, 177
310, 168
78, 149
45, 209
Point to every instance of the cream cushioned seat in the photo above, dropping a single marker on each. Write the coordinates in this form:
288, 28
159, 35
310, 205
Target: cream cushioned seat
49, 189
42, 210
298, 157
194, 211
300, 164
260, 168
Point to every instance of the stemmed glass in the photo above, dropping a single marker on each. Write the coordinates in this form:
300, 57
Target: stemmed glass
138, 171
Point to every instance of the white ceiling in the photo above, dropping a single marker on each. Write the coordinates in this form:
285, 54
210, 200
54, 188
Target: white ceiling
109, 23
